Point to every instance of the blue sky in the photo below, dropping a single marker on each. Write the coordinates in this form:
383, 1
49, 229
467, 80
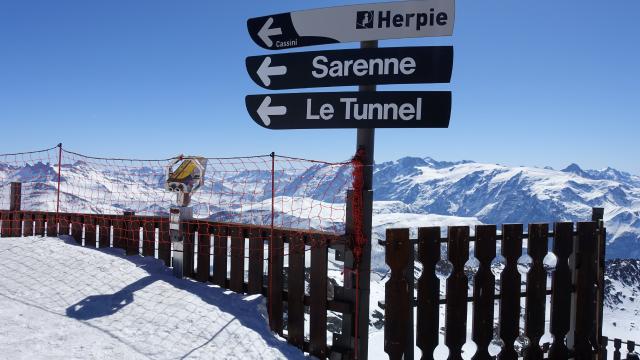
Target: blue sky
534, 82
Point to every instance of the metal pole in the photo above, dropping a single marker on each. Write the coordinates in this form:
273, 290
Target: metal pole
59, 177
365, 141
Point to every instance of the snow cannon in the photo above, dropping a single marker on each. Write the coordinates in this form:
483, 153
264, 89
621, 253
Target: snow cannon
185, 175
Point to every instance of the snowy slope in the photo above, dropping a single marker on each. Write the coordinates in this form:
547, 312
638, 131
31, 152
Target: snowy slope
59, 300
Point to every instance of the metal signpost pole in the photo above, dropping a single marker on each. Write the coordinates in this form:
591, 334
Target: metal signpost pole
366, 142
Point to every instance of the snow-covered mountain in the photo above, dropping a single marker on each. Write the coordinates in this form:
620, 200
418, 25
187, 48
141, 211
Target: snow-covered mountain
405, 190
502, 194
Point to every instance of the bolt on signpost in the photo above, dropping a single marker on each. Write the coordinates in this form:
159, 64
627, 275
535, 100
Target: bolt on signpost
365, 110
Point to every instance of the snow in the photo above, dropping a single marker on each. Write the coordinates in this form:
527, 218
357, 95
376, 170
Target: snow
61, 300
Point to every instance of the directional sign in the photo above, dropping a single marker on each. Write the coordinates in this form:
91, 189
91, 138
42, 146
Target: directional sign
408, 65
362, 22
392, 109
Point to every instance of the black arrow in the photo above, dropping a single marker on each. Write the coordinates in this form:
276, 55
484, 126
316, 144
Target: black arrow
391, 109
395, 65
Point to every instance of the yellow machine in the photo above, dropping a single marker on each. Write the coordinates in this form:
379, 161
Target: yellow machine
184, 176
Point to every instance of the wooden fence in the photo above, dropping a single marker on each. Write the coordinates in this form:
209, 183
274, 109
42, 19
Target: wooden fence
575, 293
616, 348
228, 244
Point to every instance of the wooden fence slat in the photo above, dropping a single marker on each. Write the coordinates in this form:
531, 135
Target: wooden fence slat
104, 229
39, 224
90, 231
220, 256
148, 238
561, 290
428, 316
204, 252
510, 290
132, 233
164, 241
398, 307
456, 313
6, 225
52, 225
631, 349
236, 276
64, 226
617, 344
318, 294
27, 230
587, 250
256, 261
484, 290
16, 224
603, 348
118, 233
188, 253
536, 290
295, 285
276, 283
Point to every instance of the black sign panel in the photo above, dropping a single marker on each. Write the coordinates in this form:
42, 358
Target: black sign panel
360, 22
395, 65
390, 109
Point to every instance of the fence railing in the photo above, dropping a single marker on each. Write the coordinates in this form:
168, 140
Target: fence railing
574, 296
618, 349
246, 259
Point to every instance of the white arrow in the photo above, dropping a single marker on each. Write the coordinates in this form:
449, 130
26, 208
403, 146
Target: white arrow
266, 32
264, 111
265, 71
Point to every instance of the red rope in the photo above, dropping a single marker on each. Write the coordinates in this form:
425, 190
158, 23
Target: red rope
359, 239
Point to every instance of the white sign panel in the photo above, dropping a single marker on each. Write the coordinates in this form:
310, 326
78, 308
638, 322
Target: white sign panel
362, 22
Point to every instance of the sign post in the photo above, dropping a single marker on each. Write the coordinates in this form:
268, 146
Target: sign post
364, 110
366, 143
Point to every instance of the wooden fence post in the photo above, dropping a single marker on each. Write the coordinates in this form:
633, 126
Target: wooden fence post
256, 260
132, 233
561, 290
15, 197
28, 224
52, 225
105, 231
220, 256
510, 290
456, 314
76, 228
15, 218
536, 290
398, 307
318, 294
39, 224
276, 259
90, 233
236, 275
295, 287
164, 241
586, 297
484, 288
148, 238
428, 290
204, 250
